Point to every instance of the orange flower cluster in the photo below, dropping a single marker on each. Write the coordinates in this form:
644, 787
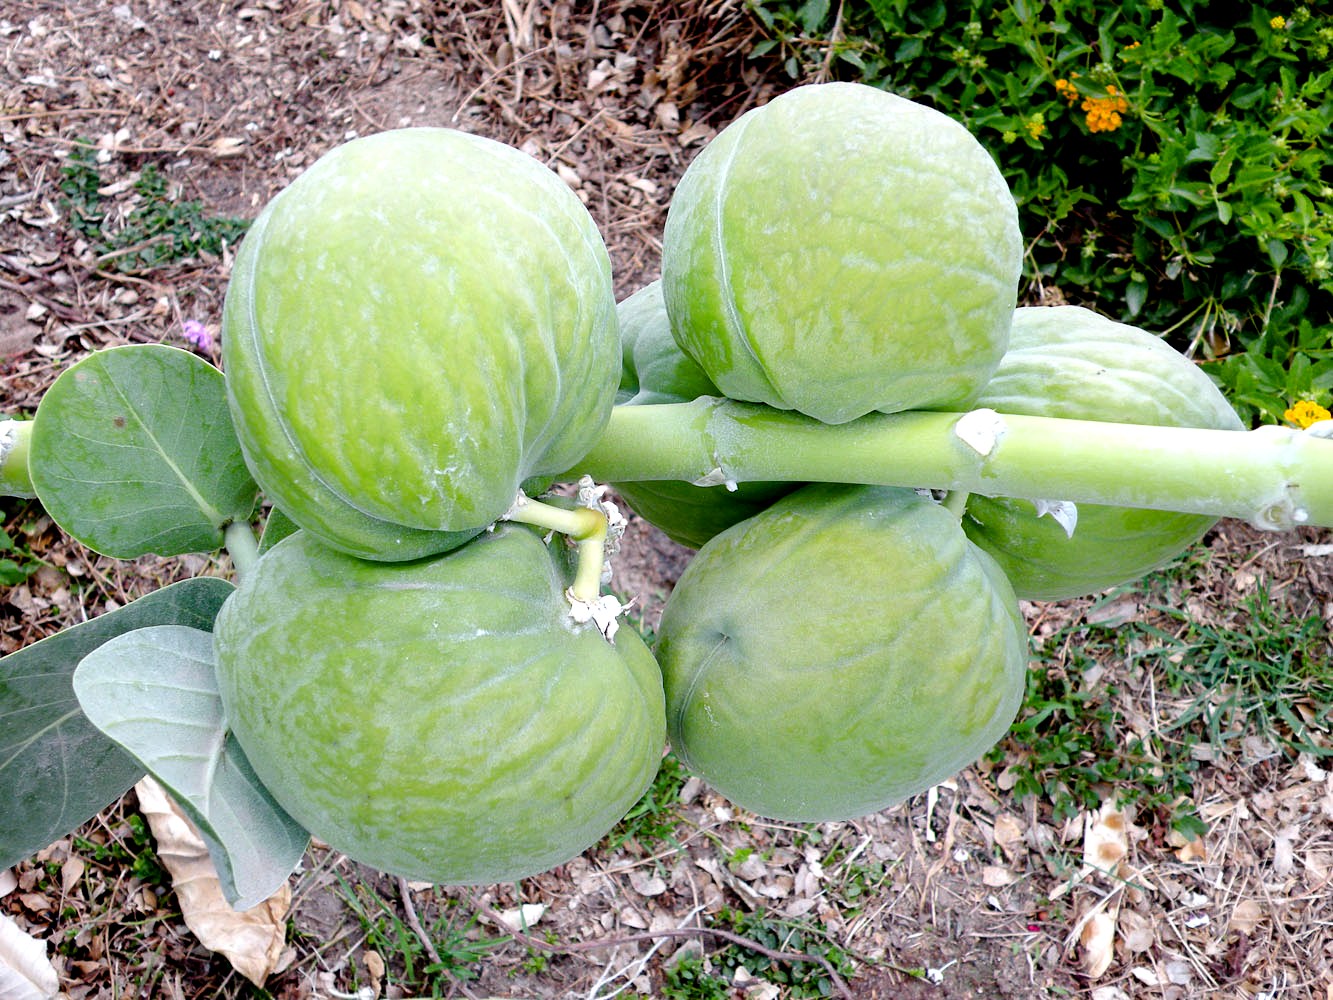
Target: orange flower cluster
1104, 112
1066, 89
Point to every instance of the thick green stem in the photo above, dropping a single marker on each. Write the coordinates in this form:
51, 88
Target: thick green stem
1275, 477
586, 526
14, 478
242, 547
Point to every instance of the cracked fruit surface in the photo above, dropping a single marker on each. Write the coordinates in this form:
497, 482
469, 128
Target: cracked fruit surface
443, 719
842, 250
1067, 361
843, 650
419, 323
655, 370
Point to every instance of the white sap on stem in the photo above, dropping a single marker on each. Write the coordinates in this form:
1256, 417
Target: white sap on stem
596, 526
981, 430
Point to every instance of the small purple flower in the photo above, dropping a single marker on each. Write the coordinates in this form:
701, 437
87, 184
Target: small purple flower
197, 334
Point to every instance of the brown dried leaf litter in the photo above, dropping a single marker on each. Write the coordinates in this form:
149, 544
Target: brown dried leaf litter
963, 892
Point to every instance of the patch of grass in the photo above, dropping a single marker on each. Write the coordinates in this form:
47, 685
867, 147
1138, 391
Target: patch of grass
1267, 676
159, 230
654, 818
798, 979
457, 942
129, 848
1071, 743
1263, 674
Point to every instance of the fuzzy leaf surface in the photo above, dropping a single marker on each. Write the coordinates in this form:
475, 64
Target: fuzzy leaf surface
134, 452
154, 691
56, 768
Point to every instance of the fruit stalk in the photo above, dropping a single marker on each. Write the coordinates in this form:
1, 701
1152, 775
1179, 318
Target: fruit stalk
1277, 478
242, 547
14, 478
587, 528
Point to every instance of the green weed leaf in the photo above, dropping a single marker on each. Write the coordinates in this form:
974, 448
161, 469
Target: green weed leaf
56, 769
134, 452
155, 693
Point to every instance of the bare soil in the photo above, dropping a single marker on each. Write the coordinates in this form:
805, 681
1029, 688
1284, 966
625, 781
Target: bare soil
967, 891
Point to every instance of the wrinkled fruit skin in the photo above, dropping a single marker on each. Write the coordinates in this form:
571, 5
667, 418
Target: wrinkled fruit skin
655, 370
419, 323
843, 250
1066, 361
843, 650
440, 720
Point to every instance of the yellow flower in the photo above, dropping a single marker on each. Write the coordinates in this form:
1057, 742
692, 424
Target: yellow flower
1278, 23
1035, 126
1305, 413
1103, 113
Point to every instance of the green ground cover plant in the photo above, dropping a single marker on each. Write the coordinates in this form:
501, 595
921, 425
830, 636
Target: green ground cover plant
1169, 158
1262, 675
159, 230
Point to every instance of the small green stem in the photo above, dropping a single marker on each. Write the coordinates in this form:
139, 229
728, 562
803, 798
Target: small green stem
242, 547
586, 526
14, 478
955, 502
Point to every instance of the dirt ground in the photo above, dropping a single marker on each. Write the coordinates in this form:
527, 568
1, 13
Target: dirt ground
963, 892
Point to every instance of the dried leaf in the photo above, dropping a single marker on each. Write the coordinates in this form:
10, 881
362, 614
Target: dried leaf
1098, 941
71, 872
1188, 848
1106, 838
1008, 834
252, 940
1137, 931
226, 146
374, 962
1246, 916
1284, 850
996, 877
646, 883
523, 916
25, 971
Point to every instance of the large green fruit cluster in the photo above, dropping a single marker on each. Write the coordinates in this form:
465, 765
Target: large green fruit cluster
838, 652
419, 323
842, 250
441, 719
423, 323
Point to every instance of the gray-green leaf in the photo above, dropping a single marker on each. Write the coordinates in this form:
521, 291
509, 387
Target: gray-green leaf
154, 691
56, 769
133, 451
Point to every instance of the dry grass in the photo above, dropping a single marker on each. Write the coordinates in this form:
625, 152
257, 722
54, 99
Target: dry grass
967, 891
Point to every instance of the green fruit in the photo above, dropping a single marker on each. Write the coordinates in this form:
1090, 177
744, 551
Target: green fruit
444, 719
419, 323
655, 370
842, 250
653, 367
843, 650
1066, 361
